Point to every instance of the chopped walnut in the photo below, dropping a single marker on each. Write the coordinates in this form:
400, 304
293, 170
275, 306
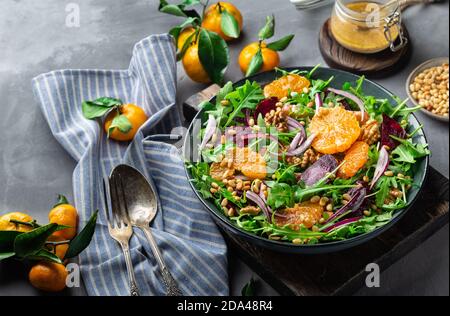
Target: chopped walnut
277, 118
370, 132
309, 157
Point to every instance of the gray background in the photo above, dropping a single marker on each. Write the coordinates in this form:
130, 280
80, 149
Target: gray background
34, 167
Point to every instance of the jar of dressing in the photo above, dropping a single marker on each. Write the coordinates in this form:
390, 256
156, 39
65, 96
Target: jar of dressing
367, 26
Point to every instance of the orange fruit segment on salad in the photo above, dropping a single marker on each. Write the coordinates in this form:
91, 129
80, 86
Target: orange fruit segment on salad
249, 162
281, 87
305, 213
336, 130
355, 158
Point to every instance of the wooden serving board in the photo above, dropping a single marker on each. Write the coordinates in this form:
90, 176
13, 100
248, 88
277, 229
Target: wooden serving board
343, 273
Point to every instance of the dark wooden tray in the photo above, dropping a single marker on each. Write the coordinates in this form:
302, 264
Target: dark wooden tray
343, 273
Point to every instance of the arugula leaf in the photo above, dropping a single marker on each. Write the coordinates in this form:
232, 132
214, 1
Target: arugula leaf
281, 195
383, 185
286, 174
409, 152
268, 30
223, 92
246, 96
218, 110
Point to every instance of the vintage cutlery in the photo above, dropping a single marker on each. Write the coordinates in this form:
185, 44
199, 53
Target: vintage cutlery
141, 203
119, 225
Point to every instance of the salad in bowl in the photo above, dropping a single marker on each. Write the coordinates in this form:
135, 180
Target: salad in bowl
305, 160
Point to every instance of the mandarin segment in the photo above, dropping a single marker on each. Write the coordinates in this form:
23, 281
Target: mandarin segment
249, 162
281, 87
305, 213
336, 130
355, 158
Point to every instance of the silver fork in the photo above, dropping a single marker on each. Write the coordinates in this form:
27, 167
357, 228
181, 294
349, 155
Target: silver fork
119, 227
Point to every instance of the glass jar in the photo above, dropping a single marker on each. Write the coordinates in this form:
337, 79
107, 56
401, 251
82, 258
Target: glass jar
367, 26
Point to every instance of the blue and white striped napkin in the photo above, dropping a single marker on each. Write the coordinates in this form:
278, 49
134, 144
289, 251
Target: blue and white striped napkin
191, 244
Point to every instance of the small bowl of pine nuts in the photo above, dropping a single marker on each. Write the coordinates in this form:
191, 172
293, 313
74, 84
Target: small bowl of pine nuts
427, 86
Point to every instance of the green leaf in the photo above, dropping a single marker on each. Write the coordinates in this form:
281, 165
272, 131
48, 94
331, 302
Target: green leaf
408, 152
281, 44
44, 255
173, 10
268, 30
6, 255
281, 195
122, 123
245, 96
223, 92
31, 242
229, 25
83, 239
190, 2
7, 240
99, 107
214, 55
177, 10
249, 288
255, 64
61, 200
175, 31
186, 45
383, 186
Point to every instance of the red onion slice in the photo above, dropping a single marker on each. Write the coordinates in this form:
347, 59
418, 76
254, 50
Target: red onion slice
298, 140
293, 122
344, 222
318, 101
209, 131
382, 165
303, 147
355, 202
352, 97
255, 198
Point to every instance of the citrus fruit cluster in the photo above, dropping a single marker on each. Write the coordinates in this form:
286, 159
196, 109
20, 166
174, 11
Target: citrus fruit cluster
49, 246
202, 41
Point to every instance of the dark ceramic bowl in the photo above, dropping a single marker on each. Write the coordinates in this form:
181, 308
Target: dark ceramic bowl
340, 77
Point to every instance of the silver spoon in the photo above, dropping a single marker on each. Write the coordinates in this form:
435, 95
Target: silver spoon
142, 206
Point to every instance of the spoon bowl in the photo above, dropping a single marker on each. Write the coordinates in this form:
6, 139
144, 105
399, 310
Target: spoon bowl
141, 203
140, 198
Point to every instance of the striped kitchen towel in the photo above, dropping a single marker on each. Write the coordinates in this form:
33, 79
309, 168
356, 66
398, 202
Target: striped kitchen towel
191, 244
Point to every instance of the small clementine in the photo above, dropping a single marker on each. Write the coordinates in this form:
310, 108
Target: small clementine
271, 58
134, 114
212, 20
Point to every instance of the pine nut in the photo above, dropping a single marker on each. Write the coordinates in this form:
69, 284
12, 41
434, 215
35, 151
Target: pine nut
224, 202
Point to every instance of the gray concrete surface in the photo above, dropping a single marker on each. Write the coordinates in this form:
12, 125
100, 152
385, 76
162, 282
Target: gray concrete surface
34, 168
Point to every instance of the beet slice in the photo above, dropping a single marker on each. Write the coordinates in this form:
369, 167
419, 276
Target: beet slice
265, 106
391, 127
319, 170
